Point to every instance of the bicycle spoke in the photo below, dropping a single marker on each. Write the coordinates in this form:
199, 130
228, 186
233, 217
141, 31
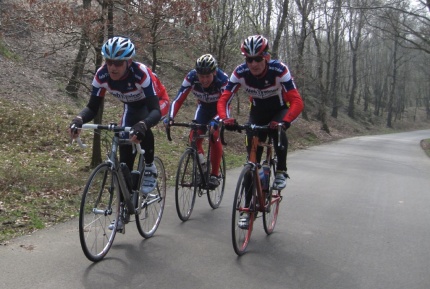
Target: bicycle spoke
185, 187
101, 192
241, 234
149, 218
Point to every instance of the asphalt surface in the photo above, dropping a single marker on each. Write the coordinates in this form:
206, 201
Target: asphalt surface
355, 215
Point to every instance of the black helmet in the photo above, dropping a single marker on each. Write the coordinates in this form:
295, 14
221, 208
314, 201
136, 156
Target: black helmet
206, 64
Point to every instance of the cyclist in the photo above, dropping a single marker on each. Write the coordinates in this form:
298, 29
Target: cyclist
133, 84
207, 82
273, 95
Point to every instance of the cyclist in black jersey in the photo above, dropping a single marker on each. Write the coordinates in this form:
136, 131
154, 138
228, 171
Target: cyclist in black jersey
133, 84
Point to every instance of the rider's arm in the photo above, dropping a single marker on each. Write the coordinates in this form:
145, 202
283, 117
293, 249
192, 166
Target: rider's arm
154, 114
290, 95
182, 95
90, 111
223, 105
151, 99
163, 97
296, 104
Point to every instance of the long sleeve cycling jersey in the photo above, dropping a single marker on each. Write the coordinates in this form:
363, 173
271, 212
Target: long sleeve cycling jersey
135, 90
163, 97
206, 97
269, 93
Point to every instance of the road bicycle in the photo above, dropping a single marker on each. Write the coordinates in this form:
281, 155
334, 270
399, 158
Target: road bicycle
101, 209
255, 179
191, 177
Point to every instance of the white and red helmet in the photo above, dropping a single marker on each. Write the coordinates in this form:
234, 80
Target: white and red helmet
255, 45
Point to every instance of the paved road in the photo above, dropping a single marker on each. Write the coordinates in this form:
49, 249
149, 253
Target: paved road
356, 216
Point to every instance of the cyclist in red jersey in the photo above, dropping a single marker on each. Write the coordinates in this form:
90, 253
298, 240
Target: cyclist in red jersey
274, 100
273, 95
207, 82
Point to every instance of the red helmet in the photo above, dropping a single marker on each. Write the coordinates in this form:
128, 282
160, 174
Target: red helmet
254, 45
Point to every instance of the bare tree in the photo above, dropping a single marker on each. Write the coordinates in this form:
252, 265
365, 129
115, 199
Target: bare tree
336, 30
322, 88
355, 33
72, 87
280, 29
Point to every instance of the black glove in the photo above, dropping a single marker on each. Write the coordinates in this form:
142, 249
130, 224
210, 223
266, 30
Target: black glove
76, 123
274, 124
139, 130
230, 124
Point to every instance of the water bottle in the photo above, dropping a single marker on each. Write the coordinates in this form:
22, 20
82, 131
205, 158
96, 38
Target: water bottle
202, 161
263, 179
135, 176
127, 175
265, 169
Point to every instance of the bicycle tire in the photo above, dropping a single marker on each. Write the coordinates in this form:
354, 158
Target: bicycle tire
271, 215
215, 196
185, 185
149, 216
100, 206
240, 236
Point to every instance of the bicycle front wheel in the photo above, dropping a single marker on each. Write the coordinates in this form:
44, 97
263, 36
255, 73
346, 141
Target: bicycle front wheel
241, 234
99, 208
186, 185
152, 206
271, 215
215, 196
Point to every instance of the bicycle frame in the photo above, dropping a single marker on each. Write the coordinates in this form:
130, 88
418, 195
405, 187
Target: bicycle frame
255, 143
250, 197
112, 159
103, 211
191, 177
252, 159
193, 146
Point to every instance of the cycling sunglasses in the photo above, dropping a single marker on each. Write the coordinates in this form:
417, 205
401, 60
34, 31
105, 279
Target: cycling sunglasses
116, 63
256, 59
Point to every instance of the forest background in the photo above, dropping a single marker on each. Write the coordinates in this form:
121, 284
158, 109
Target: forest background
361, 66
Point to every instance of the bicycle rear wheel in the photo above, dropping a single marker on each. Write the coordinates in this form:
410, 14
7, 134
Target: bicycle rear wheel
152, 206
99, 208
240, 235
270, 217
215, 196
185, 186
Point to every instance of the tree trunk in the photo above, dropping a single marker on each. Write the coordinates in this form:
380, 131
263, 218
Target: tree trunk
393, 87
322, 112
334, 80
107, 6
280, 29
72, 87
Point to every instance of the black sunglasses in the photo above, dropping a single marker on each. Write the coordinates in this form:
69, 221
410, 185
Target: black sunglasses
116, 63
256, 59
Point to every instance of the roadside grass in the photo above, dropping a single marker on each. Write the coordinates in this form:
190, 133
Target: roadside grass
39, 186
425, 144
42, 177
